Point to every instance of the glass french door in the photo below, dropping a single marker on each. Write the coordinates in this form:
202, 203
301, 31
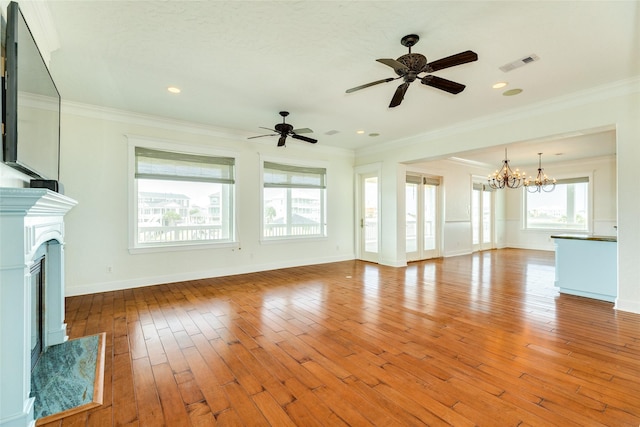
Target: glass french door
369, 224
481, 217
421, 208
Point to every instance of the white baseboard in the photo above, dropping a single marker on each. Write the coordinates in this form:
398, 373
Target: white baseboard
456, 253
393, 263
116, 285
530, 247
627, 305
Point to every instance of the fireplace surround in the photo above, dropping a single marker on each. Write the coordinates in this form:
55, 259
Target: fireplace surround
31, 225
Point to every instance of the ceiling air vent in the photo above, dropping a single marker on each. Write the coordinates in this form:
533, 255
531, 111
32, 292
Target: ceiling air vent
520, 62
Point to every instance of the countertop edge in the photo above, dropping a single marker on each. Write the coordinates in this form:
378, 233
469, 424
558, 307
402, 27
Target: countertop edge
585, 237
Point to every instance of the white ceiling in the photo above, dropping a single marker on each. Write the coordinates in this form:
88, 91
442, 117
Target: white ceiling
238, 63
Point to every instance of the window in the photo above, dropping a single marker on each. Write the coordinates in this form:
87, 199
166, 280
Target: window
564, 208
182, 198
293, 201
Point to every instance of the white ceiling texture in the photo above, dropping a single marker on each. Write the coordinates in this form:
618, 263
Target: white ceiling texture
238, 63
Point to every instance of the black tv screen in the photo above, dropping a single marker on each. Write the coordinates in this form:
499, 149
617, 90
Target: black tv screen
31, 113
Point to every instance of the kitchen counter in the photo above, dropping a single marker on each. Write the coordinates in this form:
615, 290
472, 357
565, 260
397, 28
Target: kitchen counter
587, 265
586, 237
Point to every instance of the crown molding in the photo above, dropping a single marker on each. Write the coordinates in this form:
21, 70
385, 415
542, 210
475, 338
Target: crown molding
140, 119
599, 93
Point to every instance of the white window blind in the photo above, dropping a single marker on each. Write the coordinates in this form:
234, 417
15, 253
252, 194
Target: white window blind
418, 179
277, 175
165, 165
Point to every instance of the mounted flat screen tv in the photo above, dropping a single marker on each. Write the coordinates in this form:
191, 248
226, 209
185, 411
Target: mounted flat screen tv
31, 110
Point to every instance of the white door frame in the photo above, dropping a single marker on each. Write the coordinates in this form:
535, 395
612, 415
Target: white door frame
483, 245
421, 253
362, 173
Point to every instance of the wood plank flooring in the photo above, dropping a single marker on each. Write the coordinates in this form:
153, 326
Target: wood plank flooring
483, 339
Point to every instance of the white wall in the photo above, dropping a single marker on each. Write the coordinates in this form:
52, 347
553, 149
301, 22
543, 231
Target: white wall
94, 172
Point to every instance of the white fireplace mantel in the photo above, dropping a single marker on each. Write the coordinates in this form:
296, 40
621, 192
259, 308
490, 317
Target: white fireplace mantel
31, 223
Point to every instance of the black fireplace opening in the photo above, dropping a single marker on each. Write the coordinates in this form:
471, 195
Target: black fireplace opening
37, 296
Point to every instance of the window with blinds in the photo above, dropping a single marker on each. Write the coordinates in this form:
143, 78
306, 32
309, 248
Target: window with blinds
567, 207
183, 198
293, 201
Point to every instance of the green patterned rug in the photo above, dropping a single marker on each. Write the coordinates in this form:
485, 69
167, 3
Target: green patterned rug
68, 378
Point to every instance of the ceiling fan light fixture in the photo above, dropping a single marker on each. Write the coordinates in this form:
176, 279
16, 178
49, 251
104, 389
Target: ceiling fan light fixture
284, 129
408, 67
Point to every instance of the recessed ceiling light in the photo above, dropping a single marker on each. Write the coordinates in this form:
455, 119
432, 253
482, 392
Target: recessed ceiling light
511, 92
359, 132
499, 85
374, 134
173, 89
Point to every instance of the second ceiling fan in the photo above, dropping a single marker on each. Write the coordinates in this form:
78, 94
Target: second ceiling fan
285, 129
409, 66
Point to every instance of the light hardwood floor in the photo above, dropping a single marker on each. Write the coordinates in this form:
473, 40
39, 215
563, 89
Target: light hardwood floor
483, 339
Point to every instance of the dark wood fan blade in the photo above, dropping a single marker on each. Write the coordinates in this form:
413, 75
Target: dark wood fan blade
399, 95
304, 138
281, 141
260, 136
451, 61
302, 130
398, 67
353, 89
443, 84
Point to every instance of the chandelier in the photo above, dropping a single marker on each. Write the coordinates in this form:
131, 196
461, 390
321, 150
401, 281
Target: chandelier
505, 177
542, 181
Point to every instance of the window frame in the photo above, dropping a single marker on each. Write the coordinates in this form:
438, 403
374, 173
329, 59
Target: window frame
325, 214
175, 147
589, 205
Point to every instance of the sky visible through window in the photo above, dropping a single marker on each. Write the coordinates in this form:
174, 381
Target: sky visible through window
560, 207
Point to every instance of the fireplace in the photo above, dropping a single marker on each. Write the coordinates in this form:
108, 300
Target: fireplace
37, 308
31, 274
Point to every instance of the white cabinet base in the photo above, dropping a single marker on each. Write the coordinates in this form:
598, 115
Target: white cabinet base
587, 266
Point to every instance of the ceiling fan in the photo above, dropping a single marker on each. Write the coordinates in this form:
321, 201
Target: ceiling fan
410, 65
285, 129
